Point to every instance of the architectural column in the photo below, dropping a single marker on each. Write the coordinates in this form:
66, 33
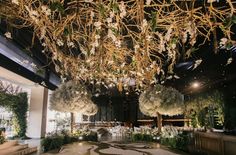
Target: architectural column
37, 112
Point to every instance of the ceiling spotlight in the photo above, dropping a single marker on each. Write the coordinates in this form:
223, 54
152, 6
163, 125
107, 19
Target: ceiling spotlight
195, 84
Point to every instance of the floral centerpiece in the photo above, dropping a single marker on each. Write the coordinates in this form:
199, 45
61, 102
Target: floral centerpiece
159, 100
163, 100
73, 97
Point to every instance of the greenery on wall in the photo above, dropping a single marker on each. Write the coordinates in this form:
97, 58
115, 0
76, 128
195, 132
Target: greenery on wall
18, 105
205, 109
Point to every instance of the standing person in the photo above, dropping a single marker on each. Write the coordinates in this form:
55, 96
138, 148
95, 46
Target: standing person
2, 135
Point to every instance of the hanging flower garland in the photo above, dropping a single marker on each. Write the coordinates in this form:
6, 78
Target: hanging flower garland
162, 100
72, 97
106, 41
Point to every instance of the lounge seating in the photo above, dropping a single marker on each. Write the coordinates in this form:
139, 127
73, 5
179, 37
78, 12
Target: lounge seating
14, 148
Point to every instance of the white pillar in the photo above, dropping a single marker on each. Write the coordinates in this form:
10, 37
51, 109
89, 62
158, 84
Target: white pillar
37, 112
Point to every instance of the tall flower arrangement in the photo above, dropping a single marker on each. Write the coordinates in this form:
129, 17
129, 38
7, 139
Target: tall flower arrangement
159, 100
163, 100
108, 40
73, 97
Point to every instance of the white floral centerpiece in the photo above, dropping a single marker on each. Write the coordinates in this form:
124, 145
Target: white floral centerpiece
169, 132
163, 100
73, 97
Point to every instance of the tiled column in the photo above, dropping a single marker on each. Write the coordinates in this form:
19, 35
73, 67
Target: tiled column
37, 112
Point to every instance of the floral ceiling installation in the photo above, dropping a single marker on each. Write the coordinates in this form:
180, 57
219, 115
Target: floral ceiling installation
72, 97
109, 40
162, 100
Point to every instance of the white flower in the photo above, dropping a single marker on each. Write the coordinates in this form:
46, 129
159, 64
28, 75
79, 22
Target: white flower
33, 14
15, 2
176, 76
197, 63
8, 35
122, 9
71, 44
33, 65
148, 2
46, 10
149, 38
162, 43
114, 25
25, 61
92, 51
92, 14
173, 45
98, 25
144, 24
97, 37
43, 32
109, 20
95, 44
112, 14
184, 37
211, 1
223, 42
229, 61
111, 35
136, 47
60, 42
118, 43
83, 51
168, 34
88, 1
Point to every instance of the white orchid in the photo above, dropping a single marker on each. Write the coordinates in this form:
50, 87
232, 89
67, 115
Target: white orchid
122, 9
144, 24
148, 2
92, 14
211, 1
223, 42
33, 65
88, 1
98, 25
60, 42
34, 15
43, 32
15, 2
70, 44
229, 61
197, 63
8, 35
46, 10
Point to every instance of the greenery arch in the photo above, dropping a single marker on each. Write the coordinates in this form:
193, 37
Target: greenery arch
18, 105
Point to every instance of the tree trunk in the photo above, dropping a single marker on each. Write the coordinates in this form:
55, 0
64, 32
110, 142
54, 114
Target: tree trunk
159, 122
72, 122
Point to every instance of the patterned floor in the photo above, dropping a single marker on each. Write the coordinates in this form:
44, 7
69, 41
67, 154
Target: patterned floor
113, 148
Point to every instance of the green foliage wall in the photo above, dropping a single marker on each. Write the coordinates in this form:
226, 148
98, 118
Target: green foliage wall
205, 108
18, 105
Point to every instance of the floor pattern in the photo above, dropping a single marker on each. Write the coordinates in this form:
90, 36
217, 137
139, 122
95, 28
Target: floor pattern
113, 148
